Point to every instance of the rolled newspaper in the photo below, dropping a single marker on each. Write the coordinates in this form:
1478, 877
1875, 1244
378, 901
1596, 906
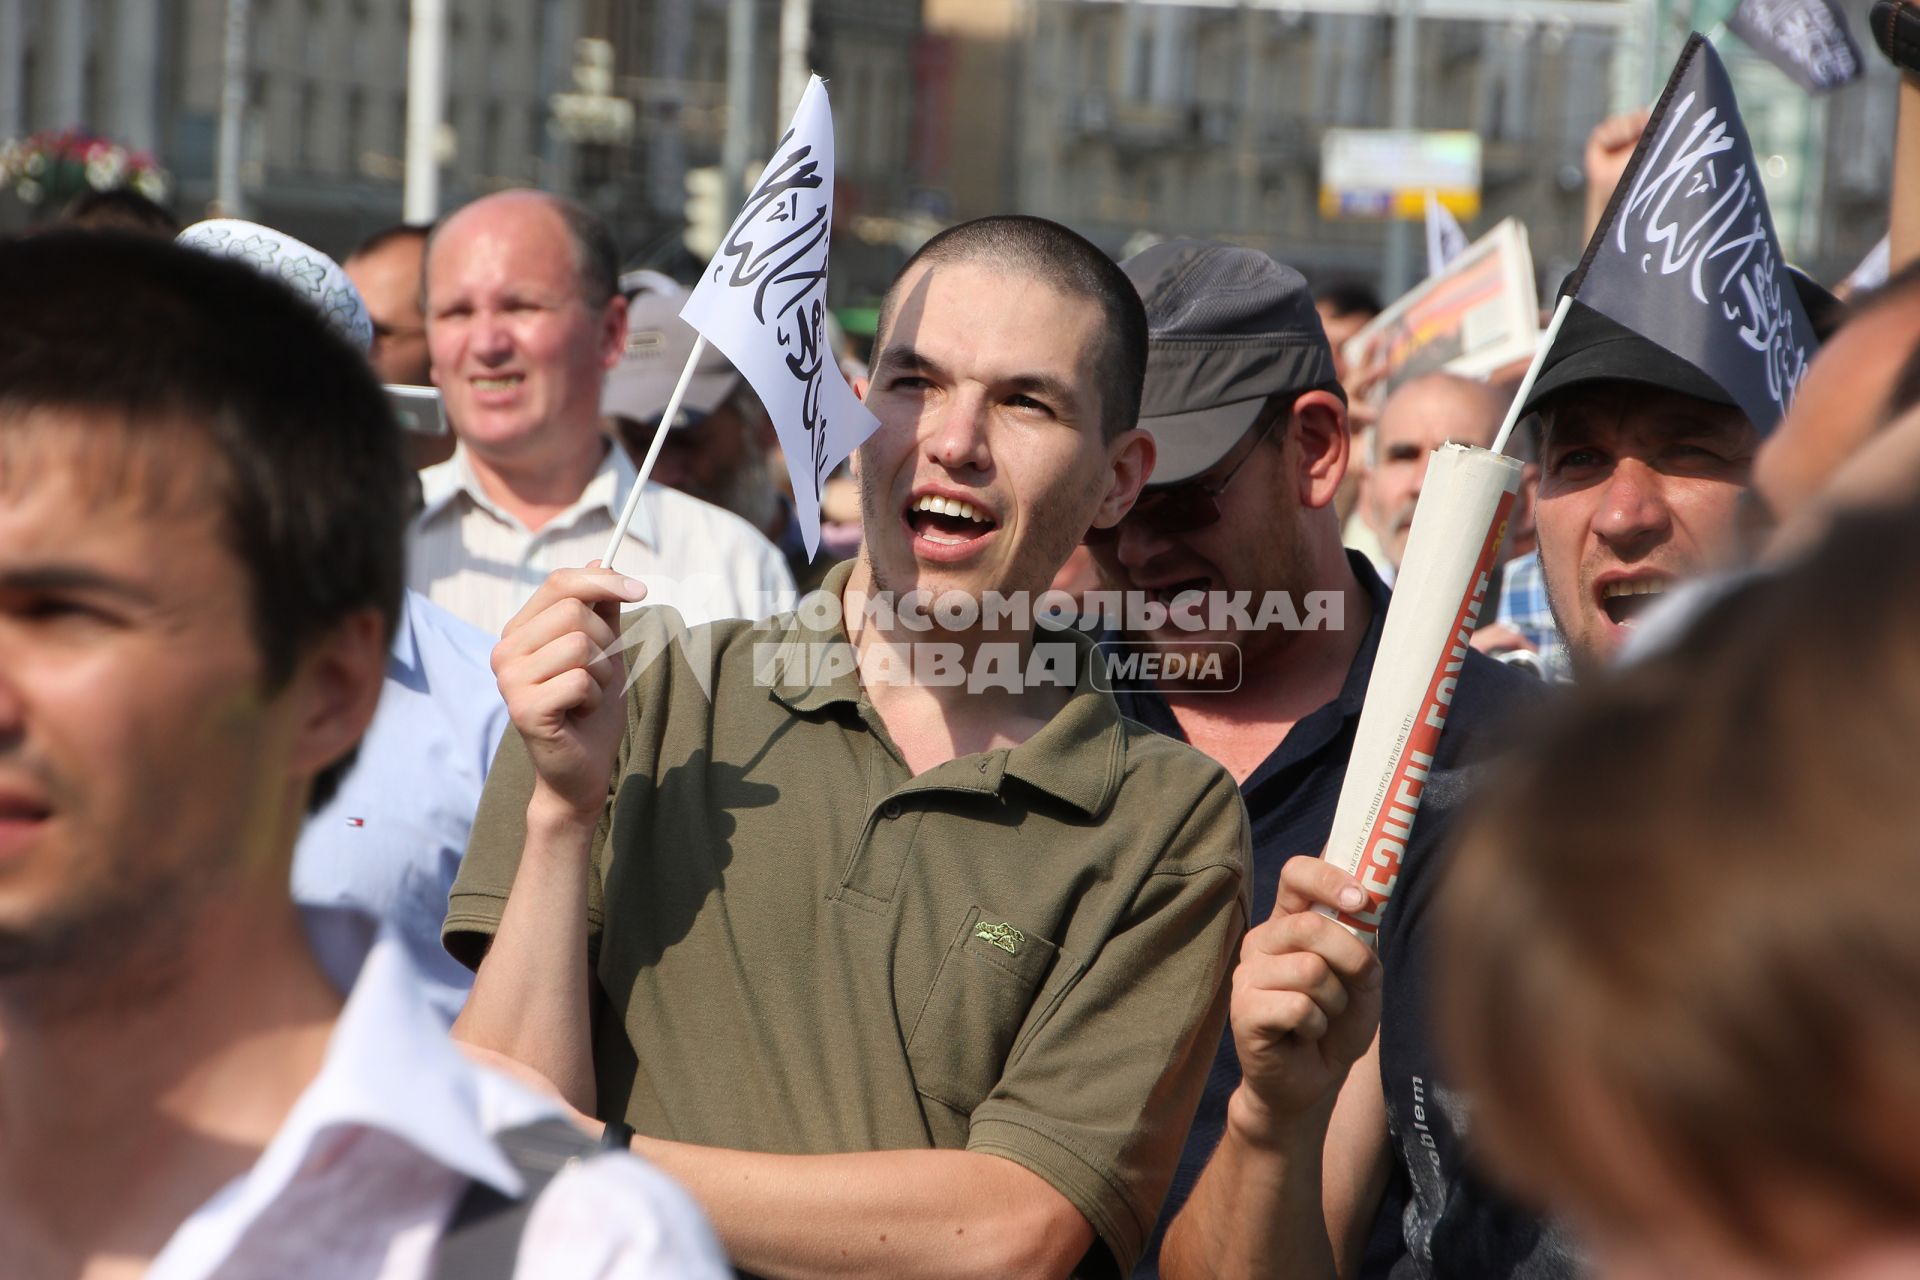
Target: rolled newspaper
1442, 586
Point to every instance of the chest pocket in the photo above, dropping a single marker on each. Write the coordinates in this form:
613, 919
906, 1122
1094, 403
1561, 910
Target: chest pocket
994, 976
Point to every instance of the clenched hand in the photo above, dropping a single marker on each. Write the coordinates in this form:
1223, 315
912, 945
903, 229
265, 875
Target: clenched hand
562, 682
1306, 999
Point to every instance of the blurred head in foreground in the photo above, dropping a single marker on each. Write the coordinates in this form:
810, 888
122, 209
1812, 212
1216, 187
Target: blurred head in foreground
1684, 978
202, 507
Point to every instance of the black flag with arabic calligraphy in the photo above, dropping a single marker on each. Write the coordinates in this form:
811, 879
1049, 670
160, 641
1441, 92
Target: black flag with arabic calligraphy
1686, 255
1807, 39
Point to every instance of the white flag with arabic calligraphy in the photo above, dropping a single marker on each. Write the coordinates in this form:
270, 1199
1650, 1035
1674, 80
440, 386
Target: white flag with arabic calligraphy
763, 302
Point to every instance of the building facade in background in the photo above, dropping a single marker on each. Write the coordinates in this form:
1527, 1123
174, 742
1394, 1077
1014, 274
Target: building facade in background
1136, 121
324, 137
672, 58
1127, 121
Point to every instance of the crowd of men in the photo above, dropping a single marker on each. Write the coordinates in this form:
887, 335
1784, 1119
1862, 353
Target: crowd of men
393, 884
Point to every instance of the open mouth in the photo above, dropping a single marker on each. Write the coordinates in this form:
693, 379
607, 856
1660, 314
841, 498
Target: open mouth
498, 383
1626, 600
948, 522
1186, 596
22, 805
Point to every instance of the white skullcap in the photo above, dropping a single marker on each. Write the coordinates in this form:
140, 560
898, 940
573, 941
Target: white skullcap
301, 267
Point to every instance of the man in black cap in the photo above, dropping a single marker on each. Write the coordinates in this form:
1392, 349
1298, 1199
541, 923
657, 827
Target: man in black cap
1249, 425
1644, 464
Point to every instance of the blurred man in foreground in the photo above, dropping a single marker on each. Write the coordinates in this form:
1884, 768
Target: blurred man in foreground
202, 503
1629, 1013
524, 318
388, 840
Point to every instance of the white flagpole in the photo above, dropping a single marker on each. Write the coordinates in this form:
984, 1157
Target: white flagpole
1533, 373
653, 450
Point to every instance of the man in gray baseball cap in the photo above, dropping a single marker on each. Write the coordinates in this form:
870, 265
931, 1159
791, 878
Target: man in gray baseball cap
1250, 427
1232, 330
1236, 537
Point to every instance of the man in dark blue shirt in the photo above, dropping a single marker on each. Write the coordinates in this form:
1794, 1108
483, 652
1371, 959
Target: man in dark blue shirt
1233, 553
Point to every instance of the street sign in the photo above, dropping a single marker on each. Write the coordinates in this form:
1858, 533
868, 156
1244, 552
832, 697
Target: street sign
1388, 173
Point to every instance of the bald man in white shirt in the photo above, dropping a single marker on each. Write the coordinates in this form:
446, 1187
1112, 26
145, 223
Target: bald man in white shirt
524, 319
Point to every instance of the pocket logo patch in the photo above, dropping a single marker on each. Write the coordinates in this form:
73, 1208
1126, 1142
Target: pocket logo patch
1003, 936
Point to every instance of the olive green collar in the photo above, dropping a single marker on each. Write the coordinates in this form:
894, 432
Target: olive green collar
1077, 756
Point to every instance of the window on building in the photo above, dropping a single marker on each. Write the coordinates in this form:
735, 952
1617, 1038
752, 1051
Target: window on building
881, 109
306, 132
30, 86
491, 158
93, 91
260, 18
316, 39
362, 31
356, 129
1136, 55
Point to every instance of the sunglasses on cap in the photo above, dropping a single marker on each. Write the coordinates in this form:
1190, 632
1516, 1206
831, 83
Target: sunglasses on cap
1192, 504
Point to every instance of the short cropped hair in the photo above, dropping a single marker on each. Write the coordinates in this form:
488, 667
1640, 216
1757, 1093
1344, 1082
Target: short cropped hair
1686, 918
391, 235
143, 337
1072, 265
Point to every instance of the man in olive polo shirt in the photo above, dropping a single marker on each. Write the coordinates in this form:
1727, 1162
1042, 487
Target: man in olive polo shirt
898, 975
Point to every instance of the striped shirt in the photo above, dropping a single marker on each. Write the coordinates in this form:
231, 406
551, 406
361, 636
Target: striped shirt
478, 562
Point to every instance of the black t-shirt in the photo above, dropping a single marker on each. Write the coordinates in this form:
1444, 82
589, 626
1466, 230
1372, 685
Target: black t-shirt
1290, 800
1440, 1219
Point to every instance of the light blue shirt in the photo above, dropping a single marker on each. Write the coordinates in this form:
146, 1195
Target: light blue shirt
390, 841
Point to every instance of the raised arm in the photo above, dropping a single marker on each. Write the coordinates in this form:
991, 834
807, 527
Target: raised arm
530, 999
1292, 1188
1904, 246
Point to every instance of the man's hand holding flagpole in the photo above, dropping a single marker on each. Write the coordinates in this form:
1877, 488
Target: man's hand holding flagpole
762, 302
1685, 256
